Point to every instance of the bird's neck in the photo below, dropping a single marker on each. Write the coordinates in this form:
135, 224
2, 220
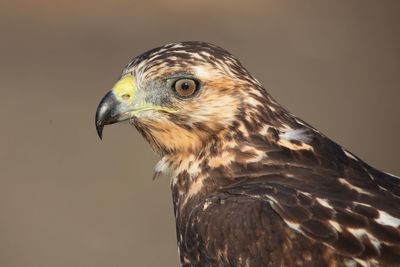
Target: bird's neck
228, 158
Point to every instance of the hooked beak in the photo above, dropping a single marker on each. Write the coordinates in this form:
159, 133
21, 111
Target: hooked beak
116, 105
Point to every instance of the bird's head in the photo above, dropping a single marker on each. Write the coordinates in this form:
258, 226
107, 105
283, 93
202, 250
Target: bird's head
179, 96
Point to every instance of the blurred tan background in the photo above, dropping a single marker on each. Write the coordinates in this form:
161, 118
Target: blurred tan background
68, 199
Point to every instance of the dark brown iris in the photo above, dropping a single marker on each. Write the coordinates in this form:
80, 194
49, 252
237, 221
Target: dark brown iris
185, 87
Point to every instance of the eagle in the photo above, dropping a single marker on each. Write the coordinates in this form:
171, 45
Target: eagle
252, 184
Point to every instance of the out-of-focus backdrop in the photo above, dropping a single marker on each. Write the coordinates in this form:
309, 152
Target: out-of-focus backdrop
68, 199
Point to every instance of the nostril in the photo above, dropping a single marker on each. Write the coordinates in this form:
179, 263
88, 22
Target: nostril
126, 96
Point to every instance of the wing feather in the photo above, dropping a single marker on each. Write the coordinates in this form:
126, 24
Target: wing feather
351, 217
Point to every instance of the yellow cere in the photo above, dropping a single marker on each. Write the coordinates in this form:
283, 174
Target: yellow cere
124, 89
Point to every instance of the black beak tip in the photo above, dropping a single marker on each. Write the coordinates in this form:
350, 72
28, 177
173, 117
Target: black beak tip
105, 113
99, 129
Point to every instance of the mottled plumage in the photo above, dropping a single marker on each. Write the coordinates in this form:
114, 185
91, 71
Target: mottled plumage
252, 184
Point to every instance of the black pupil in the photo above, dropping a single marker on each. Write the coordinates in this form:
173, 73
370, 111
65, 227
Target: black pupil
185, 86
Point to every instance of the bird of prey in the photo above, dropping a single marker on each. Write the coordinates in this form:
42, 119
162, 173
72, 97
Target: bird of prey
252, 184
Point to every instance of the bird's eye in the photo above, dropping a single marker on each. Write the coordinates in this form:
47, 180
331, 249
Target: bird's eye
185, 87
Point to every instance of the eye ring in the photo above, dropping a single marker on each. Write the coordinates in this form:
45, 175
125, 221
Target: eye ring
185, 87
